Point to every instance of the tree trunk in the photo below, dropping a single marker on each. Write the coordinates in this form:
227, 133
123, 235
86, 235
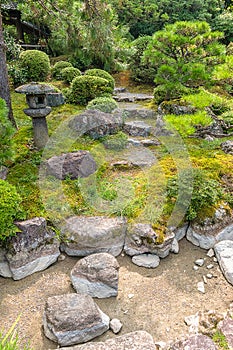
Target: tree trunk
4, 83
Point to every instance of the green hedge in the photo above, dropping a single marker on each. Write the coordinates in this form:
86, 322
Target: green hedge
58, 67
102, 74
69, 73
36, 63
104, 104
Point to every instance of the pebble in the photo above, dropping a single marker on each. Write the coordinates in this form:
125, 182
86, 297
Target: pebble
204, 279
201, 287
210, 266
200, 262
210, 253
209, 275
215, 259
130, 296
195, 268
115, 325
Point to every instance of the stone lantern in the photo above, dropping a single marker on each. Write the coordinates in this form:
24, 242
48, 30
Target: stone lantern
38, 110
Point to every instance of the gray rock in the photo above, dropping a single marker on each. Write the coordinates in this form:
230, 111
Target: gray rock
96, 275
55, 99
140, 157
226, 327
210, 253
180, 232
96, 123
74, 164
224, 254
3, 172
4, 265
195, 342
175, 247
211, 230
73, 319
131, 97
33, 249
141, 238
200, 262
146, 260
98, 234
174, 108
137, 113
115, 325
137, 128
139, 340
201, 287
227, 146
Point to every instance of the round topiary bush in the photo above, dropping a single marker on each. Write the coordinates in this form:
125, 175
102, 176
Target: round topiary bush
69, 73
58, 67
85, 88
36, 63
104, 104
102, 74
9, 209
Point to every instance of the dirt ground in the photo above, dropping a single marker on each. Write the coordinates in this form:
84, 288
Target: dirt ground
162, 297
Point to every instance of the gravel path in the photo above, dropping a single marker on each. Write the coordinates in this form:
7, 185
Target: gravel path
159, 300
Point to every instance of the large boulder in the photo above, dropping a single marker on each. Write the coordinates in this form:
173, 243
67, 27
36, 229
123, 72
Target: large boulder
141, 238
96, 123
137, 128
224, 254
195, 342
211, 230
73, 319
74, 164
139, 340
33, 249
89, 235
96, 275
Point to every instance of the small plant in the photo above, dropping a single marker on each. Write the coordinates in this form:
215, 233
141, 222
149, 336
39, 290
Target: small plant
85, 88
102, 74
220, 339
58, 67
36, 63
116, 142
9, 209
6, 132
69, 73
104, 104
9, 341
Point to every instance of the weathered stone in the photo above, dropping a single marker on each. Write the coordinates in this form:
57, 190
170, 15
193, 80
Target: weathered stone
131, 97
227, 146
210, 253
55, 99
139, 340
98, 234
140, 157
4, 265
73, 319
96, 275
115, 325
175, 246
74, 164
226, 327
170, 107
146, 260
33, 249
212, 230
199, 262
3, 172
137, 128
138, 113
96, 123
141, 238
180, 232
195, 342
224, 254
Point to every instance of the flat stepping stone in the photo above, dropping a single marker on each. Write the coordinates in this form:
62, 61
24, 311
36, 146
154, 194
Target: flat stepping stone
137, 128
146, 260
96, 275
195, 342
139, 340
73, 319
224, 254
132, 97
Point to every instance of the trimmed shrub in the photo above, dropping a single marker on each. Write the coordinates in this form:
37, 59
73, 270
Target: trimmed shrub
36, 63
102, 74
9, 209
6, 131
116, 142
69, 73
58, 67
86, 88
104, 104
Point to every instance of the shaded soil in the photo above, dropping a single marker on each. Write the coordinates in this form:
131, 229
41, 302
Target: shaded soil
162, 296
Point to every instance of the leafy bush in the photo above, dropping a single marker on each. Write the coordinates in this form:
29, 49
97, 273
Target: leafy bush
18, 75
36, 63
6, 132
58, 67
116, 142
104, 104
204, 99
85, 88
9, 209
12, 48
169, 91
69, 73
102, 74
206, 192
